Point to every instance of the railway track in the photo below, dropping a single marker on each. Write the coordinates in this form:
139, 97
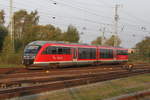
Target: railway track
137, 96
7, 71
39, 73
19, 84
10, 78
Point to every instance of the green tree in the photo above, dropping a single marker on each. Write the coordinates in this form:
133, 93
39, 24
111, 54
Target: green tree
71, 35
2, 17
23, 21
40, 32
3, 34
8, 56
3, 29
144, 47
110, 41
53, 33
98, 41
7, 50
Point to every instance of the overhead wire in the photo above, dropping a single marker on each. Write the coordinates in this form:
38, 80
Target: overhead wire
135, 17
85, 19
127, 24
89, 20
81, 9
105, 3
84, 5
77, 18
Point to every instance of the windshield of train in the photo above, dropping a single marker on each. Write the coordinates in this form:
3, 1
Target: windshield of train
32, 49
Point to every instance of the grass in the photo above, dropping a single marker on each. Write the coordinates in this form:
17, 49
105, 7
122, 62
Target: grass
99, 91
10, 66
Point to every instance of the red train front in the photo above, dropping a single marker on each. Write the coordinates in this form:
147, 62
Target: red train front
46, 54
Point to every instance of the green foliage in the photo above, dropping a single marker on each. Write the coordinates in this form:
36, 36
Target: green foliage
3, 34
110, 41
142, 52
7, 45
8, 56
3, 29
98, 41
2, 18
71, 35
23, 21
144, 47
39, 32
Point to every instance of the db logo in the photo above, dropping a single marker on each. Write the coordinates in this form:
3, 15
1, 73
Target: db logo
54, 57
59, 58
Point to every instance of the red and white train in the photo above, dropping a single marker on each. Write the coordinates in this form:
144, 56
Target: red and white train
44, 54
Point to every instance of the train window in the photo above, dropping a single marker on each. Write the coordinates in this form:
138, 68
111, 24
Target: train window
93, 53
60, 50
106, 53
33, 49
87, 53
57, 50
110, 53
66, 50
51, 50
122, 52
81, 52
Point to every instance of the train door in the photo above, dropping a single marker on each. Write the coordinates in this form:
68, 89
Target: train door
75, 54
115, 54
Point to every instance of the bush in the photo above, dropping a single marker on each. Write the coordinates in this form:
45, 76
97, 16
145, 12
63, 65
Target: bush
138, 58
11, 58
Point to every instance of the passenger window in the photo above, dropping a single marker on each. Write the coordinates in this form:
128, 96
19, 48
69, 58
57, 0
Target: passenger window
106, 53
57, 50
66, 50
52, 50
60, 50
87, 53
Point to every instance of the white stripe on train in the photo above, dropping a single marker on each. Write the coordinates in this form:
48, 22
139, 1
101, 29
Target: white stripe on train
75, 61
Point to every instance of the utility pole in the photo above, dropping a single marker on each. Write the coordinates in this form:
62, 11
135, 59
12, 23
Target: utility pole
116, 18
11, 27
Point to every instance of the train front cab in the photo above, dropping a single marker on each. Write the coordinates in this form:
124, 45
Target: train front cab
30, 53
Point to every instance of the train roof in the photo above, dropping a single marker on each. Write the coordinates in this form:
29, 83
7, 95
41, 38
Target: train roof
41, 43
55, 42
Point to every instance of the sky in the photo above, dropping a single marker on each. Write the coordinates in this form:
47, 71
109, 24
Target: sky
90, 17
